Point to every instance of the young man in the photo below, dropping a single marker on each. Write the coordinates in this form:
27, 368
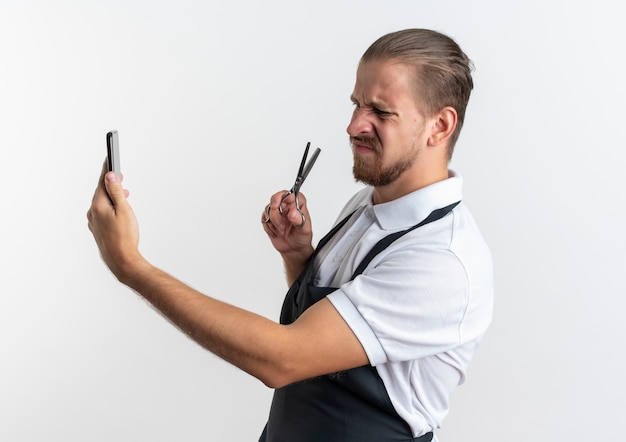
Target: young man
382, 318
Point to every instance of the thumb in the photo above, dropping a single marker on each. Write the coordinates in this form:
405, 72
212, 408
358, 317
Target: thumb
298, 219
114, 188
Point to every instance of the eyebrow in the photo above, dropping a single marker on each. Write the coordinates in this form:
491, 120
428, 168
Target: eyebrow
376, 104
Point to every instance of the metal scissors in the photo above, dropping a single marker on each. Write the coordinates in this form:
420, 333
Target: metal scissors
303, 172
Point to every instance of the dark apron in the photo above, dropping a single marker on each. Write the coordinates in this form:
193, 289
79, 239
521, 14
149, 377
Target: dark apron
348, 406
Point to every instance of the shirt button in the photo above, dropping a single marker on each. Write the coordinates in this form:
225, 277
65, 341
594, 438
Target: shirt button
337, 258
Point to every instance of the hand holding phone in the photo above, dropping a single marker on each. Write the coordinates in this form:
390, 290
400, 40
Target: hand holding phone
113, 153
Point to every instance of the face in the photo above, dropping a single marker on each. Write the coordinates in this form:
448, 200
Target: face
387, 129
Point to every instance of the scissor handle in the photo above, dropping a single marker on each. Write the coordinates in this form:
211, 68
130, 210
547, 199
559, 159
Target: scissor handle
280, 206
285, 195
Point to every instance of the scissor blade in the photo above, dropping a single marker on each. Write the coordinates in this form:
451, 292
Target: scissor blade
311, 162
302, 163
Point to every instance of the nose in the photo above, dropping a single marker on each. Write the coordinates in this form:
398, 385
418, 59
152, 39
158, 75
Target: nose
359, 124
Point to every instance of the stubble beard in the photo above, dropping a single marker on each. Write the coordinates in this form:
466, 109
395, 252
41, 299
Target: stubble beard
377, 174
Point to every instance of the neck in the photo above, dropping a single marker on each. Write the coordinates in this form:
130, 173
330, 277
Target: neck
410, 181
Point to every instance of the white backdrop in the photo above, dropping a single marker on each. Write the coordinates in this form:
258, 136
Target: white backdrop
214, 102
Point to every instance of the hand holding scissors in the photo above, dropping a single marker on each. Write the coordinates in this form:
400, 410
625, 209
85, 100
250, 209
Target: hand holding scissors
303, 172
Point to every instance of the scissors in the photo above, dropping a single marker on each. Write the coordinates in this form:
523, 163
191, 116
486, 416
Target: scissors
303, 172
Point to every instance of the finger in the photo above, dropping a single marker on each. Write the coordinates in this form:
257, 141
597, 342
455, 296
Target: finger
100, 184
270, 227
265, 216
287, 200
272, 212
280, 198
297, 218
270, 230
298, 214
98, 196
103, 171
114, 189
274, 221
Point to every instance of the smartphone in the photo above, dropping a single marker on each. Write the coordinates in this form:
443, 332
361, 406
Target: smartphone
113, 152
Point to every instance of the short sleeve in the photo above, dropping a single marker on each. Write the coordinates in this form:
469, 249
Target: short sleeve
408, 305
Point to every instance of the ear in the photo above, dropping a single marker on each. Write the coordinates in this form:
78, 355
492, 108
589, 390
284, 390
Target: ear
444, 123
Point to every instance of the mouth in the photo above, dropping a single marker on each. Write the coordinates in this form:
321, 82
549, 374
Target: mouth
362, 147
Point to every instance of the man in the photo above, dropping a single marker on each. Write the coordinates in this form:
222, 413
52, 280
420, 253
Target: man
374, 336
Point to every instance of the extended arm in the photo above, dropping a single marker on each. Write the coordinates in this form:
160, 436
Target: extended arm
319, 342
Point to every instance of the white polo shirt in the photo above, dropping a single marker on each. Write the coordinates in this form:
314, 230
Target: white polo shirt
423, 304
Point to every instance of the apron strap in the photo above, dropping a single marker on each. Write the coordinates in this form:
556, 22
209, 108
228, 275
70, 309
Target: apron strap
384, 243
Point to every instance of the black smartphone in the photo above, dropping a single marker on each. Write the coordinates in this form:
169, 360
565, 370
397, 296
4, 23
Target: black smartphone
113, 152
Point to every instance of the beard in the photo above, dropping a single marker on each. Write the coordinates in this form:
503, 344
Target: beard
376, 173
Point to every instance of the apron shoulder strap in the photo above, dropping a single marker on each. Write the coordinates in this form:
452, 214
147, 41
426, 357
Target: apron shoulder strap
387, 240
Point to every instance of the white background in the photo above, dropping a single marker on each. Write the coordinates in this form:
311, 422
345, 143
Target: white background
214, 102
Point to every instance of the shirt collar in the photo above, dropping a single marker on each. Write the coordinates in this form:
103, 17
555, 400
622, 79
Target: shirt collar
411, 209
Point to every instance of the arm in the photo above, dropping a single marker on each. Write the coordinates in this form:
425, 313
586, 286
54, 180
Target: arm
319, 342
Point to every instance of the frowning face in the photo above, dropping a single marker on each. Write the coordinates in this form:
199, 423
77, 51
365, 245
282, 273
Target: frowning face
387, 129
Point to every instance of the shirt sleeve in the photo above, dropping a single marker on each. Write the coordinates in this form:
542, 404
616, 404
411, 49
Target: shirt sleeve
409, 304
360, 327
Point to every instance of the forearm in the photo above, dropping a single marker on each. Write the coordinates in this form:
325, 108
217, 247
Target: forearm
247, 340
295, 264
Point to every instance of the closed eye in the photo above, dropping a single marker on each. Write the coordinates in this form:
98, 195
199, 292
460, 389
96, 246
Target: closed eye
374, 109
381, 113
